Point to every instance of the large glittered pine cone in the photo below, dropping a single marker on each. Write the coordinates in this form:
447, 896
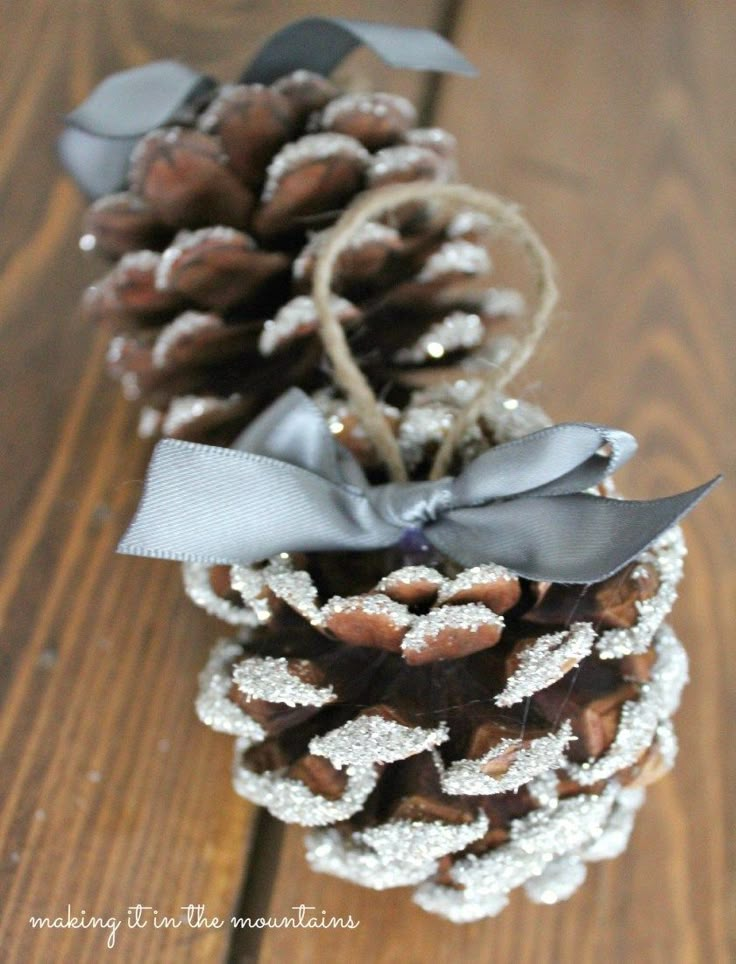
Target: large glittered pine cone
216, 238
462, 731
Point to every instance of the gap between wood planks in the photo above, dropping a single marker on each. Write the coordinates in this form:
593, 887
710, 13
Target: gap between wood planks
267, 834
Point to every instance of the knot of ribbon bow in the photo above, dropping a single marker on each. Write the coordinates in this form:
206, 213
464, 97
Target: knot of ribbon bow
288, 486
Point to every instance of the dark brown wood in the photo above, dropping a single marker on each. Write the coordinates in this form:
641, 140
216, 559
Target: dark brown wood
612, 123
113, 793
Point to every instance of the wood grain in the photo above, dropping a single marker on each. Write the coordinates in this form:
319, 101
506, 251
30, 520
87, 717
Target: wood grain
112, 792
613, 124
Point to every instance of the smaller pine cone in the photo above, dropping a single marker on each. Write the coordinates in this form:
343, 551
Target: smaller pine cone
225, 218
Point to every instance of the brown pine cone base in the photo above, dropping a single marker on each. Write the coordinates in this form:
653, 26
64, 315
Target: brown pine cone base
470, 772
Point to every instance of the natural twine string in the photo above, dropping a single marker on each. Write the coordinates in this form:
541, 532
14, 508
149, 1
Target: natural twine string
507, 223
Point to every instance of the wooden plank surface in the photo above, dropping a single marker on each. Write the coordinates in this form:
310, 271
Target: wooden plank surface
112, 793
613, 124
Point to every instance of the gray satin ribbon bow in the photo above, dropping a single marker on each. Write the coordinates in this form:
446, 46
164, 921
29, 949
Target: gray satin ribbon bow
288, 486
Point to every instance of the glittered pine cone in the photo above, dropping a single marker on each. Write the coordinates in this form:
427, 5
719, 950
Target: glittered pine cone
216, 238
461, 731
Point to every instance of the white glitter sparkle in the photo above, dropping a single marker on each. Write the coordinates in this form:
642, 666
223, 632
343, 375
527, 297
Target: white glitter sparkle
251, 585
558, 881
667, 743
435, 138
296, 589
329, 853
198, 587
509, 424
376, 104
391, 161
338, 413
409, 576
186, 409
293, 802
636, 728
209, 119
469, 777
430, 413
544, 789
369, 739
187, 325
129, 202
631, 798
460, 330
640, 718
186, 240
275, 680
372, 604
503, 302
493, 353
297, 318
370, 233
130, 384
149, 422
212, 705
548, 659
498, 871
422, 427
310, 148
669, 673
413, 841
572, 823
455, 257
473, 578
545, 854
666, 554
469, 618
142, 260
458, 906
468, 223
616, 831
116, 349
169, 136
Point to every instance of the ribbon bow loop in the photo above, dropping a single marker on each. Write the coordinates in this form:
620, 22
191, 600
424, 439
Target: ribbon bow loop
287, 486
558, 460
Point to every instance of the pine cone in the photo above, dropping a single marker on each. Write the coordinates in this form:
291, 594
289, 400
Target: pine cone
465, 732
217, 238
